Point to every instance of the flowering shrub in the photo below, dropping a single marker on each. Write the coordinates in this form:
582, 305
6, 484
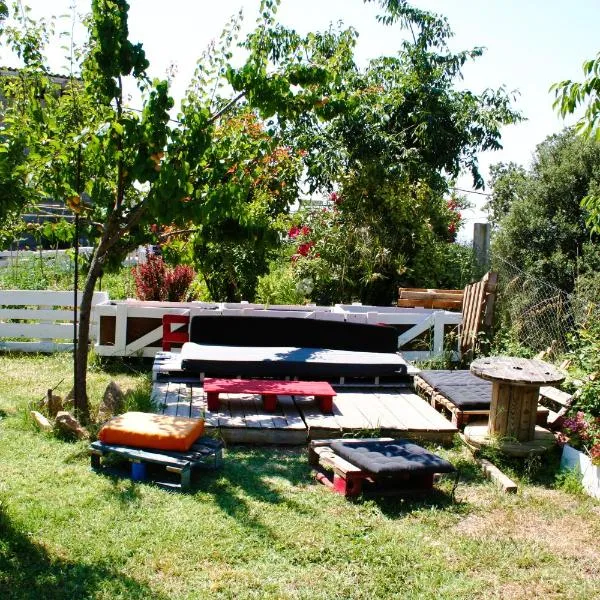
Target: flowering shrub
583, 432
154, 280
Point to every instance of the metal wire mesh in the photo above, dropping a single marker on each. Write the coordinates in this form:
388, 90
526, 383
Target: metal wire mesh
536, 314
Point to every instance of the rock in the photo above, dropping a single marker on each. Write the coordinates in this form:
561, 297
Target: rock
66, 423
41, 421
112, 402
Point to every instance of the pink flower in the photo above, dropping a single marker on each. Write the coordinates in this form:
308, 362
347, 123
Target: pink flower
305, 230
294, 232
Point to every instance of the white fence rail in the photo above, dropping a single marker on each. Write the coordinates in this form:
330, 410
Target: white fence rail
42, 321
39, 320
138, 325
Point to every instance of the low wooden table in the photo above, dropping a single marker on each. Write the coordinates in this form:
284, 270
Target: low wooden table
269, 389
515, 392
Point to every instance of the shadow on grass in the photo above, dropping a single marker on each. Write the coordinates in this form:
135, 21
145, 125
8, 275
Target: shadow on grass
27, 571
246, 475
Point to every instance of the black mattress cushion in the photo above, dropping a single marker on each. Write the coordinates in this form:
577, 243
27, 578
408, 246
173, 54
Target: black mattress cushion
389, 458
465, 390
436, 378
292, 331
473, 396
259, 361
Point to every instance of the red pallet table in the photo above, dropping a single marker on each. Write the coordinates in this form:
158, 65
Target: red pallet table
269, 389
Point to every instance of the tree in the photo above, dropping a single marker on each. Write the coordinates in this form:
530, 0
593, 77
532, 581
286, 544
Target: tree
121, 171
541, 223
569, 96
390, 155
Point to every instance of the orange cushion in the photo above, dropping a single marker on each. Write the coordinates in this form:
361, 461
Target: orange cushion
147, 430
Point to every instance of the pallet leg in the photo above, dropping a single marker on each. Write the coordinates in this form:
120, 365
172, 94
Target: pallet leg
212, 401
95, 461
350, 486
325, 403
138, 471
269, 402
186, 478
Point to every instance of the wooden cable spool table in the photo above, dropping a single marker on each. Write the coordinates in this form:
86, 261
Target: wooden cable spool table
515, 391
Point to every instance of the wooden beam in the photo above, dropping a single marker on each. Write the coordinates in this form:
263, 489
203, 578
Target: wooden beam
495, 474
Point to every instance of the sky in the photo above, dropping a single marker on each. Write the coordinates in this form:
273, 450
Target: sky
530, 44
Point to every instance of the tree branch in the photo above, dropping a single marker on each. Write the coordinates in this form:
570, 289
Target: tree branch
226, 108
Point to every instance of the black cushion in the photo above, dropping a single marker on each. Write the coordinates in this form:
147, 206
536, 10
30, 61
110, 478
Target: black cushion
292, 331
436, 378
262, 361
468, 397
462, 388
389, 458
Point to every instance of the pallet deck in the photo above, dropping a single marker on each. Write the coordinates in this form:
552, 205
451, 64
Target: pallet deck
393, 412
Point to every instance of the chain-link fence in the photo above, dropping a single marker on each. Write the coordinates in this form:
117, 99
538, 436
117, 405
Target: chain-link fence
536, 314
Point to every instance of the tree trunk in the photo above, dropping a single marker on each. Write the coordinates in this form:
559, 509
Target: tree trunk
80, 401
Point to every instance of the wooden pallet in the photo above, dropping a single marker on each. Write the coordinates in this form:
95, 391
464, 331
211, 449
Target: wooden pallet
458, 416
396, 412
342, 477
206, 452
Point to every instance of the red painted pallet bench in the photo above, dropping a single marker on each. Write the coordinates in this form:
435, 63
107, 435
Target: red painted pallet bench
269, 389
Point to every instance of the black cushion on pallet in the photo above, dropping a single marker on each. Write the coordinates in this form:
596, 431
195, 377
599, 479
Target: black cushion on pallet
245, 361
465, 390
468, 396
292, 331
390, 457
436, 378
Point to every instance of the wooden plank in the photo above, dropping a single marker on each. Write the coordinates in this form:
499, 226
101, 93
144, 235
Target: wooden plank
347, 414
406, 415
145, 340
318, 424
328, 458
172, 400
356, 402
36, 314
236, 411
37, 330
495, 474
46, 297
434, 420
556, 395
291, 413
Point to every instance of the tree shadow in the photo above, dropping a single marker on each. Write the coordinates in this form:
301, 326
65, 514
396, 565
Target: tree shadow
246, 473
27, 571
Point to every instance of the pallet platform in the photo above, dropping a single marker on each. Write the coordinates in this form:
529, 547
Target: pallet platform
149, 464
241, 418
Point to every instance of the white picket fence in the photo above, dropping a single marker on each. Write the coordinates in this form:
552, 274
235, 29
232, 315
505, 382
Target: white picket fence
42, 321
39, 320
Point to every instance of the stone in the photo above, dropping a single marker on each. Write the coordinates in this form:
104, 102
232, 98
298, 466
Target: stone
41, 421
112, 402
66, 423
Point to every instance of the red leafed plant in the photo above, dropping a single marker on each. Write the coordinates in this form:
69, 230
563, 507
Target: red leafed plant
154, 280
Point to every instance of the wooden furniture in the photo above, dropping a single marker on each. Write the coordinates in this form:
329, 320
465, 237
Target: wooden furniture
430, 298
376, 466
515, 391
476, 302
456, 400
269, 389
205, 452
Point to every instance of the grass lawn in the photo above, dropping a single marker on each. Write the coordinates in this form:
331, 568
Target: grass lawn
261, 528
